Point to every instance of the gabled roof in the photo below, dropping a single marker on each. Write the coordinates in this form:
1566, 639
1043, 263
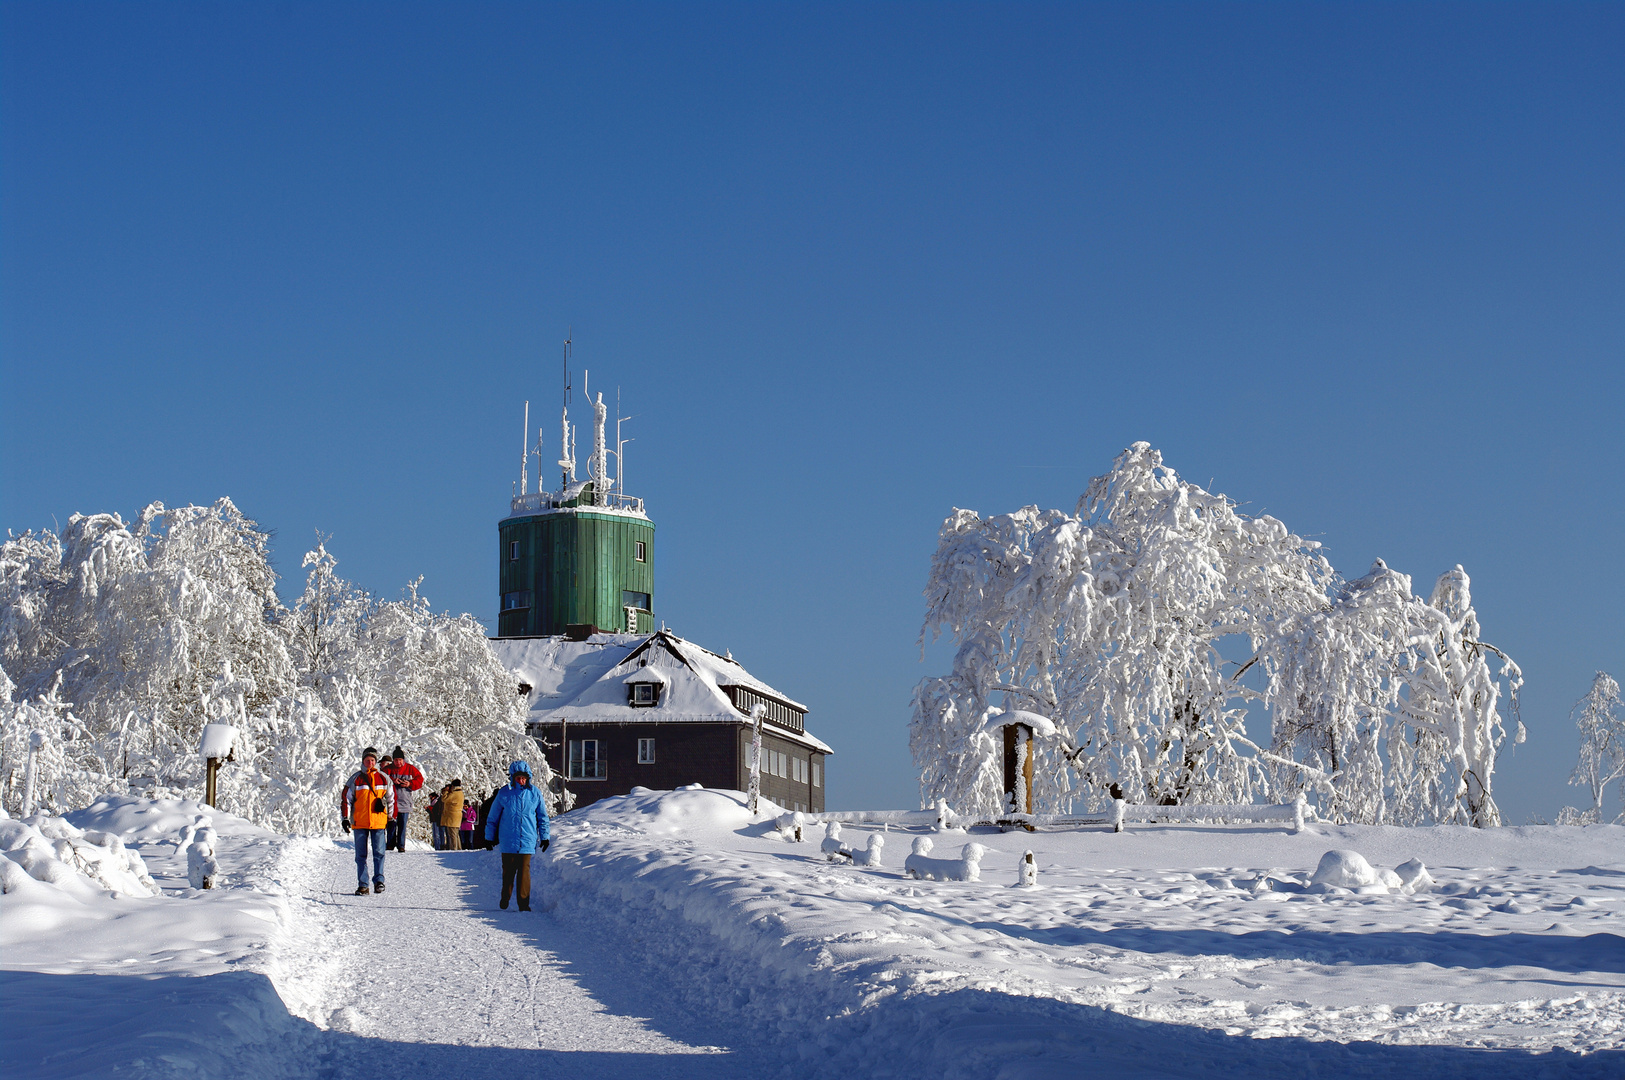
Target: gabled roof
581, 682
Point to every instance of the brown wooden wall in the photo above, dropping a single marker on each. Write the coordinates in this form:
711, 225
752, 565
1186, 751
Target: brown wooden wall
712, 755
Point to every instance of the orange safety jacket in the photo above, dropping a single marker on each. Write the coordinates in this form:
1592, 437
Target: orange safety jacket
366, 791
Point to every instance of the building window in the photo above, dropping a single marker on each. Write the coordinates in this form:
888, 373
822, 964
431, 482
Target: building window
585, 762
818, 774
513, 551
646, 751
644, 694
514, 601
639, 600
640, 550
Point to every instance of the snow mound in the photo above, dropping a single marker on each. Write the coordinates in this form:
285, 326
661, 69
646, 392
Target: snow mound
138, 820
51, 851
1344, 869
686, 810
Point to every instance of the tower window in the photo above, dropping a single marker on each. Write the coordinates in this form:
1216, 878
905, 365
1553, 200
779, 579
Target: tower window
641, 551
514, 601
513, 551
646, 751
639, 600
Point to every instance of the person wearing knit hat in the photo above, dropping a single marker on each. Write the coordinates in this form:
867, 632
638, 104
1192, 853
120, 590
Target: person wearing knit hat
366, 805
407, 778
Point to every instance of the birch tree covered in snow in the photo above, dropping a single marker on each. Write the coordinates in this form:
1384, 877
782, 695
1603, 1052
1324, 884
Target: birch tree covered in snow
1110, 622
119, 641
1602, 747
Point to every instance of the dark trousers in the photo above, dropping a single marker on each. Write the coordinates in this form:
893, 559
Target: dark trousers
516, 867
373, 839
395, 833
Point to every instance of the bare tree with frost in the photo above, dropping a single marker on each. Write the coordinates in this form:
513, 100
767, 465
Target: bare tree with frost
1602, 748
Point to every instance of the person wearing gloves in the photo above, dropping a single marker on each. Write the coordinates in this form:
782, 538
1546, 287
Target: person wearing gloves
518, 824
407, 778
367, 804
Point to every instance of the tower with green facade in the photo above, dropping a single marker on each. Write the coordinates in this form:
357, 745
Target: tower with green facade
578, 557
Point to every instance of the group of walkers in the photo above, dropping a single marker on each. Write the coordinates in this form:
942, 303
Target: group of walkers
456, 818
376, 802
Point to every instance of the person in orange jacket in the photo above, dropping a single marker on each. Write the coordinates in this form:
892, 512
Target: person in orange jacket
366, 805
407, 778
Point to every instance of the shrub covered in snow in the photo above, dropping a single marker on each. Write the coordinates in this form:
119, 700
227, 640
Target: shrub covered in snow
1344, 869
50, 850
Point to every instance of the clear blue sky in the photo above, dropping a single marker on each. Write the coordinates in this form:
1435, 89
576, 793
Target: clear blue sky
852, 266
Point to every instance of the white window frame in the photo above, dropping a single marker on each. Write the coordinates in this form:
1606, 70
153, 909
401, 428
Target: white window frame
640, 551
578, 760
513, 551
817, 775
644, 695
646, 751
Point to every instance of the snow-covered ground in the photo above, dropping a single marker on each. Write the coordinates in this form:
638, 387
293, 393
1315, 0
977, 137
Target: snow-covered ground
677, 938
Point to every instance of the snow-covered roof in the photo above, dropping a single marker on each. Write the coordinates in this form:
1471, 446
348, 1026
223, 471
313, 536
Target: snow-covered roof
581, 682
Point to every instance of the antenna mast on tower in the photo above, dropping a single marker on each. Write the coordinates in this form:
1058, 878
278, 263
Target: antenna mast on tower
524, 455
567, 457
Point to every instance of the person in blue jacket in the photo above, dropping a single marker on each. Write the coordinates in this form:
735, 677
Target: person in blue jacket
518, 824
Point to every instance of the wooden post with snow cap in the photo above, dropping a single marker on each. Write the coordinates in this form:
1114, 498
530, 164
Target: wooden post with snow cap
1019, 728
218, 745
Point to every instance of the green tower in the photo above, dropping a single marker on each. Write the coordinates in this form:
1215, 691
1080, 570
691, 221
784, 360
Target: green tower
577, 557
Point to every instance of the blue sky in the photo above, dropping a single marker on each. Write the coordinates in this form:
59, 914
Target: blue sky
851, 266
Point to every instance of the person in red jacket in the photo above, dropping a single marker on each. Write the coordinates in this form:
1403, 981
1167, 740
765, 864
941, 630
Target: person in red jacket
407, 778
367, 804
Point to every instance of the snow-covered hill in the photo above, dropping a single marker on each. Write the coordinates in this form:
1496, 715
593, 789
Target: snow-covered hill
678, 938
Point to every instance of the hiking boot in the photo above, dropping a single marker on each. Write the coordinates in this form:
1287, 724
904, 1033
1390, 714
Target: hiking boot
361, 890
524, 905
379, 887
503, 904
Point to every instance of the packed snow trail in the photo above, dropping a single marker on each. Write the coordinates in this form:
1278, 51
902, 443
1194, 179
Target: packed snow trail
432, 969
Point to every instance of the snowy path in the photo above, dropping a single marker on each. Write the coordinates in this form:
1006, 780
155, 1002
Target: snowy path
432, 970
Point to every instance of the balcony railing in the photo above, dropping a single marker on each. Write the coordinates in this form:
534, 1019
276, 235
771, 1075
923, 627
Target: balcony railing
538, 503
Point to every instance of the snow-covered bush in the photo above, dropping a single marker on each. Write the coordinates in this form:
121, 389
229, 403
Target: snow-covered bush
1109, 622
872, 852
124, 640
50, 850
1027, 872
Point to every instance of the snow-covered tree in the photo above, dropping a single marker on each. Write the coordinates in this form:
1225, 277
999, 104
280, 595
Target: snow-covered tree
1602, 747
1108, 621
1386, 704
120, 641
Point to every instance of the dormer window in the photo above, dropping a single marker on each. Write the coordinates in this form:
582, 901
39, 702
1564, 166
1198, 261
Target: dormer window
644, 694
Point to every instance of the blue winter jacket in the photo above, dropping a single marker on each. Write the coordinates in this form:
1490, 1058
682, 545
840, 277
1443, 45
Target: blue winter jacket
518, 820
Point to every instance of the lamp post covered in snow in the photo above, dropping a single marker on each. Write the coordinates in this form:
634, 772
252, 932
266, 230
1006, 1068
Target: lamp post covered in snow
757, 711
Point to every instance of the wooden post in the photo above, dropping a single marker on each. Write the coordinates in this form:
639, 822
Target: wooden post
213, 770
1018, 788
